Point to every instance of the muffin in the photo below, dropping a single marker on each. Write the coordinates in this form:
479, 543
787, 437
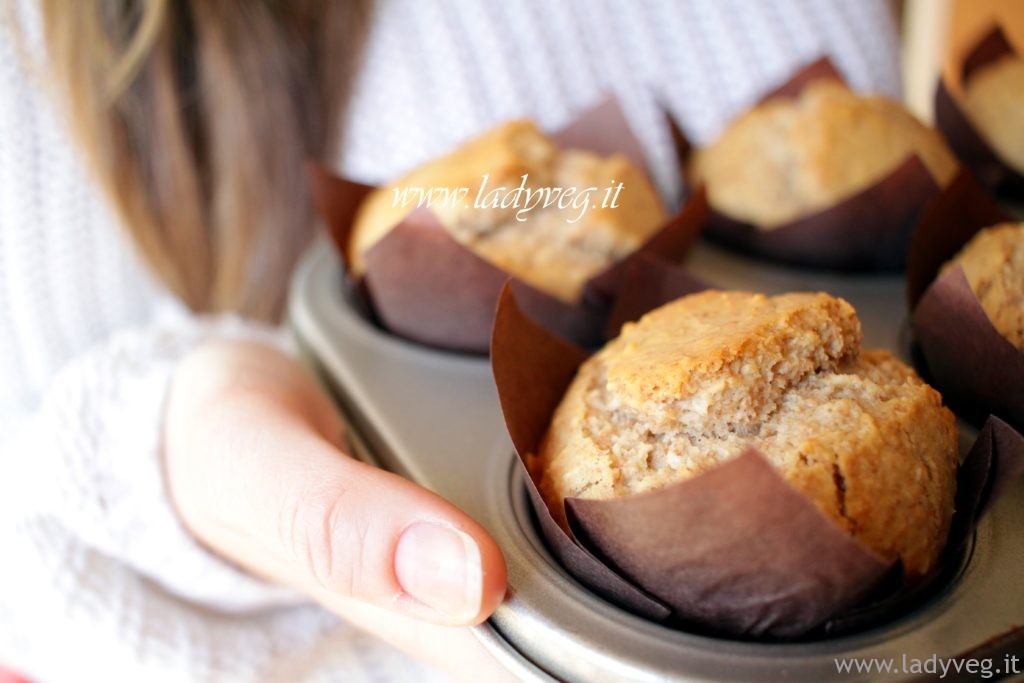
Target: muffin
555, 248
994, 100
791, 156
993, 262
697, 381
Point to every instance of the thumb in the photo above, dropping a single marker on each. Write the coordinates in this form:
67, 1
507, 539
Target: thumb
258, 484
364, 533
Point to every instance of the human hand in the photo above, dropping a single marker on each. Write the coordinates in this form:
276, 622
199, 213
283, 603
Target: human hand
257, 469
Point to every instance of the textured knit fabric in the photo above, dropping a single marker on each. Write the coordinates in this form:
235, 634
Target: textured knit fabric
97, 578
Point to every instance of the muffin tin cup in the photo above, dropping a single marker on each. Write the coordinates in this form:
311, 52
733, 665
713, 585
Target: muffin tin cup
956, 346
963, 137
422, 284
867, 231
736, 550
553, 627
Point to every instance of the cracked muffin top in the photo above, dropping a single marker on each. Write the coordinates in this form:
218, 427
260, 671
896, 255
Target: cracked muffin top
993, 262
556, 248
791, 156
700, 379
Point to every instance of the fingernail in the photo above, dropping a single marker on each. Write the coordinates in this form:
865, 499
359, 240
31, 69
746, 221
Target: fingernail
440, 567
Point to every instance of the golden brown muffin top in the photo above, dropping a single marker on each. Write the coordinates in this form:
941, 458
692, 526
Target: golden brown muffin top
788, 157
678, 349
994, 99
857, 432
993, 262
555, 249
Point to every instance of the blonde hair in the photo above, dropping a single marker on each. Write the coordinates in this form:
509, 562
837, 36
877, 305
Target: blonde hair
196, 116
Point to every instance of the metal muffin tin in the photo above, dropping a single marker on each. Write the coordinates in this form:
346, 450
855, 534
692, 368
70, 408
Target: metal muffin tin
434, 418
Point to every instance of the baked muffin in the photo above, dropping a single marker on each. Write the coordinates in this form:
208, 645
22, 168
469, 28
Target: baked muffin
993, 262
700, 379
788, 157
994, 100
555, 249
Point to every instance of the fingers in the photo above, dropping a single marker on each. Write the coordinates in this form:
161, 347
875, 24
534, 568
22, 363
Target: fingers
257, 477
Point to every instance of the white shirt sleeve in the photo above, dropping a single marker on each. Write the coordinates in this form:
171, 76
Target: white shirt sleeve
103, 574
96, 462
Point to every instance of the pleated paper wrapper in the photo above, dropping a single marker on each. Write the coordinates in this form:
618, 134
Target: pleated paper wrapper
735, 551
957, 349
867, 231
966, 141
422, 284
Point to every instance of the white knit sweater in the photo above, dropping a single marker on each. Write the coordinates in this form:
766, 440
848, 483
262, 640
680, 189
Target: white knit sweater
96, 576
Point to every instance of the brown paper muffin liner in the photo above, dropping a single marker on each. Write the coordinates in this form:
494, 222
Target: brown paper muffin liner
963, 137
422, 284
958, 348
867, 231
736, 551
